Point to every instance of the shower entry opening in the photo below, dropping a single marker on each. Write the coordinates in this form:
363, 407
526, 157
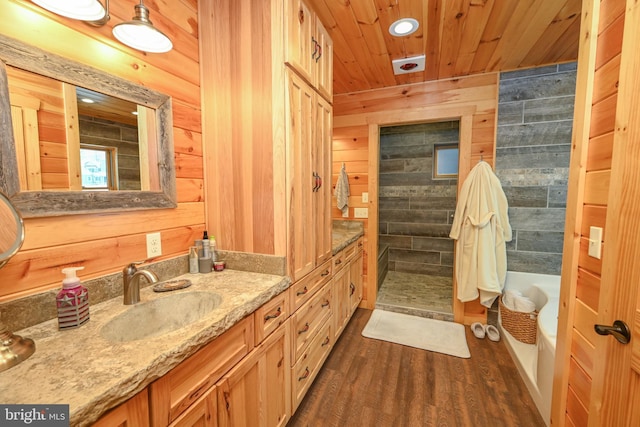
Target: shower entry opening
417, 199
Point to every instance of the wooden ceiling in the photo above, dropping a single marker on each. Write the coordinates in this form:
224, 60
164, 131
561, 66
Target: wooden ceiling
458, 37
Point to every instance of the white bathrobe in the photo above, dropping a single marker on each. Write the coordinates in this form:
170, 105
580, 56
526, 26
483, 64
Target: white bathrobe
481, 228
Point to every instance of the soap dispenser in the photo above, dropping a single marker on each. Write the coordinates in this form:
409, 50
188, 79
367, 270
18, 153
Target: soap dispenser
72, 301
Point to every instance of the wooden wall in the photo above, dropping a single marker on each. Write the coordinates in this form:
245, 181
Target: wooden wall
105, 243
357, 117
594, 122
50, 116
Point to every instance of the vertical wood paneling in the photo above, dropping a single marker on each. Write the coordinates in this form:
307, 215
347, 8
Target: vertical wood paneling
357, 117
105, 243
595, 110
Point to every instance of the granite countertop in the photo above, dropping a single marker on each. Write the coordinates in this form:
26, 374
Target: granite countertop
92, 374
81, 368
344, 233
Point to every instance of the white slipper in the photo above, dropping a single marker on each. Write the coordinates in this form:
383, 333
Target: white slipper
492, 332
478, 330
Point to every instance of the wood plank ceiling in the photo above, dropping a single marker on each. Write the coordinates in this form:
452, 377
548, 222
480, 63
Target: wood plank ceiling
458, 37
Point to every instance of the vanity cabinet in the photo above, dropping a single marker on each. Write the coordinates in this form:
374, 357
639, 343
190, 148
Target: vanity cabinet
133, 413
176, 392
309, 174
255, 393
347, 284
308, 47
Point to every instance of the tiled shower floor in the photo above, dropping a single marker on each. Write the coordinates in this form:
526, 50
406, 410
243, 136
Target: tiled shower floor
417, 294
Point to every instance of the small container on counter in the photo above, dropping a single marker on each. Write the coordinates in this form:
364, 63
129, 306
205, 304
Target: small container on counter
193, 260
204, 265
218, 265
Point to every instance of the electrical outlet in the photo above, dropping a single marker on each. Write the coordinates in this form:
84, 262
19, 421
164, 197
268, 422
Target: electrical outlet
154, 245
345, 214
361, 212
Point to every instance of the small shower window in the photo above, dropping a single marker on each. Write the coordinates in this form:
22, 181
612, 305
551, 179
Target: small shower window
445, 161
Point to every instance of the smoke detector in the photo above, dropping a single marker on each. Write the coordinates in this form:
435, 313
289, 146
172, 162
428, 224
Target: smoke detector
408, 65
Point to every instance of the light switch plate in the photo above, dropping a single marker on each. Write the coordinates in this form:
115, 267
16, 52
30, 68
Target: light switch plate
361, 213
154, 245
595, 242
365, 197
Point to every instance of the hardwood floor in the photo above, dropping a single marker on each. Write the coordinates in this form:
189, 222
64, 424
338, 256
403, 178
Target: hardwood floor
367, 382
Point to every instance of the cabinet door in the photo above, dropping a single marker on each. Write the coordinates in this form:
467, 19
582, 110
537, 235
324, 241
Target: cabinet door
355, 282
324, 62
256, 393
340, 300
201, 414
133, 413
322, 166
301, 49
300, 176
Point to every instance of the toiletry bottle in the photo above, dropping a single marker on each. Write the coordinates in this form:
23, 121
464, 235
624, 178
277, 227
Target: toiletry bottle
212, 244
72, 301
193, 259
206, 246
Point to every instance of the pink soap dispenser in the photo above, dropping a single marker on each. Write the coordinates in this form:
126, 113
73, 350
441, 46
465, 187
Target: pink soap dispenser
72, 301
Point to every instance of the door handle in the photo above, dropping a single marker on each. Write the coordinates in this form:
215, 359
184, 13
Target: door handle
619, 330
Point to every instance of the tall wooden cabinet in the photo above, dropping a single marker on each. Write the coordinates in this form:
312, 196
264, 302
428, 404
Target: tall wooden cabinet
308, 133
309, 49
267, 126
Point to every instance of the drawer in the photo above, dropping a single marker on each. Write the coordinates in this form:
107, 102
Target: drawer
305, 371
176, 391
271, 315
305, 288
308, 320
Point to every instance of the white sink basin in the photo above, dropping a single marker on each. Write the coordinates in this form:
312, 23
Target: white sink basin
157, 317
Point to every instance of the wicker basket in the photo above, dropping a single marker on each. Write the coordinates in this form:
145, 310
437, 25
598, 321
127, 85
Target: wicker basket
523, 326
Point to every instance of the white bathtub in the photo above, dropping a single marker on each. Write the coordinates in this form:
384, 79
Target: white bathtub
535, 362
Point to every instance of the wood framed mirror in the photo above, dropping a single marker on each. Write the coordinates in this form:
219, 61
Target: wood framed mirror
158, 187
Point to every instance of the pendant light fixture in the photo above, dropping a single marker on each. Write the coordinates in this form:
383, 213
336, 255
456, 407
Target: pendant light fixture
83, 10
140, 34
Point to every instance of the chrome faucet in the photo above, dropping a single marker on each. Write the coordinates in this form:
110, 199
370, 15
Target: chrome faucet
131, 278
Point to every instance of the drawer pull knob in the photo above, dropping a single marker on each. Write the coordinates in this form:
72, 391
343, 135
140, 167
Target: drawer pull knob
274, 315
304, 329
325, 304
305, 375
338, 262
302, 292
325, 273
325, 342
352, 287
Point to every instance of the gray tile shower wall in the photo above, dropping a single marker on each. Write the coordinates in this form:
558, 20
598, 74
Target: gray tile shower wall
535, 118
414, 208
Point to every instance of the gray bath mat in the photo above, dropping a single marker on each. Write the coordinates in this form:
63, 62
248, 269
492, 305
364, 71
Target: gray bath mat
419, 332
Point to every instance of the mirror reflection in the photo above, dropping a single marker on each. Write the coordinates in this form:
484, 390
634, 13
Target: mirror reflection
11, 230
157, 180
70, 138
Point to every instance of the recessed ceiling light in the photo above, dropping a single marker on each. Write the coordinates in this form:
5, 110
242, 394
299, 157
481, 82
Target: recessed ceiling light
87, 100
404, 27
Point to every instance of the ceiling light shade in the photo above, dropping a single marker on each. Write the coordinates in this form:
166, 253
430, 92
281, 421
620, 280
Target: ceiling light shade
140, 34
404, 27
84, 10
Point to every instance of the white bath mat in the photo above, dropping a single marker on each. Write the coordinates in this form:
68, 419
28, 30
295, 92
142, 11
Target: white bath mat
419, 332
